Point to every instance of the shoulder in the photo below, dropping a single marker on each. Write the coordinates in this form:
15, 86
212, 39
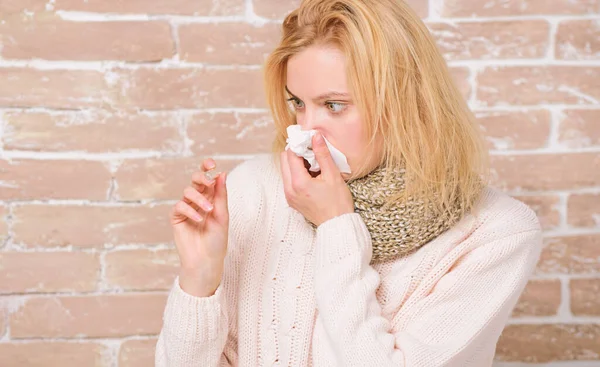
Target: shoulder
501, 215
501, 232
502, 227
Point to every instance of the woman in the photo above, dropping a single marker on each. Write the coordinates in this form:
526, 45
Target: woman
408, 260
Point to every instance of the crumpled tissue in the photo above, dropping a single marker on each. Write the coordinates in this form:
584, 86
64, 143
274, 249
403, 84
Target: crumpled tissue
300, 142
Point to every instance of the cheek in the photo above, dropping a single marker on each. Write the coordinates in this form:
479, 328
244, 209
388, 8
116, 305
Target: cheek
355, 145
355, 139
350, 138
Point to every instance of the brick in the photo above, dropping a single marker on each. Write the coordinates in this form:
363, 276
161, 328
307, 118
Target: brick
228, 43
491, 40
24, 272
547, 343
277, 9
142, 269
274, 9
229, 133
145, 88
53, 354
570, 255
580, 128
461, 77
536, 85
420, 7
585, 297
547, 171
91, 226
578, 40
158, 7
24, 87
3, 224
79, 131
89, 316
540, 298
468, 8
13, 7
53, 179
546, 208
55, 39
157, 89
160, 179
515, 130
137, 353
583, 210
3, 322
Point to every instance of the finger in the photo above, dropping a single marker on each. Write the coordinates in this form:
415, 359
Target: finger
203, 183
298, 173
221, 211
208, 164
211, 175
203, 178
186, 211
324, 158
197, 198
207, 169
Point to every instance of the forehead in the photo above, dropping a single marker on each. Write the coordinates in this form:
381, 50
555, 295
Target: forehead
317, 70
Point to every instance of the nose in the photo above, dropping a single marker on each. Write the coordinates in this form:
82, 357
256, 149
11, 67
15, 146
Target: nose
308, 119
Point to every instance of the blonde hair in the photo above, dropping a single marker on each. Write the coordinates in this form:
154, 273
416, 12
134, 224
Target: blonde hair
402, 87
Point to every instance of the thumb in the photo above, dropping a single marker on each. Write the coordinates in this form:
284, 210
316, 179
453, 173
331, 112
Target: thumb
221, 211
324, 158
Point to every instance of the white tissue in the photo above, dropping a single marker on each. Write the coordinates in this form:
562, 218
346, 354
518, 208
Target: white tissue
299, 141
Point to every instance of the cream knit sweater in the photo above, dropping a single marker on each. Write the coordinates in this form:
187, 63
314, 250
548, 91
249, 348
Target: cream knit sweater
291, 296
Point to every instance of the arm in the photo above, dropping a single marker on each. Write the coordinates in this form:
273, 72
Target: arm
465, 311
197, 330
194, 331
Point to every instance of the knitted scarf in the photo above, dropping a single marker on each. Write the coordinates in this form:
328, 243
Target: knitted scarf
400, 228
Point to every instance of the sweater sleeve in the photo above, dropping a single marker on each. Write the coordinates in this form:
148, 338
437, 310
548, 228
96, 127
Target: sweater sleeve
197, 331
194, 331
464, 313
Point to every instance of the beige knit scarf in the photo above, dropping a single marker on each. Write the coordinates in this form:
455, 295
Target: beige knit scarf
400, 228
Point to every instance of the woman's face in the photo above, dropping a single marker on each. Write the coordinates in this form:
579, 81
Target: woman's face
318, 91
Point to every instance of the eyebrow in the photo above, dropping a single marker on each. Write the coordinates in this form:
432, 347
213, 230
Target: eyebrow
323, 97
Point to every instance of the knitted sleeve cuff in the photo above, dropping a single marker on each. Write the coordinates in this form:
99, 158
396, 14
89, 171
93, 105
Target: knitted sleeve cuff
343, 236
195, 319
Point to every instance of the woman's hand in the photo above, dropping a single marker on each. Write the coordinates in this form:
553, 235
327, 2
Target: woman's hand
200, 226
317, 198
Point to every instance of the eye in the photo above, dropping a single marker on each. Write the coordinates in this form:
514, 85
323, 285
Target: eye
335, 107
295, 104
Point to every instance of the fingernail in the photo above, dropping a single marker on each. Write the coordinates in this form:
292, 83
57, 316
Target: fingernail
208, 207
197, 218
319, 139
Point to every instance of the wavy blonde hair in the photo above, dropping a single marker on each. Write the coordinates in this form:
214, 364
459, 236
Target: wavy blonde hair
402, 87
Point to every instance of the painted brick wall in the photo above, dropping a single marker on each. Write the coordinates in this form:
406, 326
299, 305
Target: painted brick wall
106, 106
